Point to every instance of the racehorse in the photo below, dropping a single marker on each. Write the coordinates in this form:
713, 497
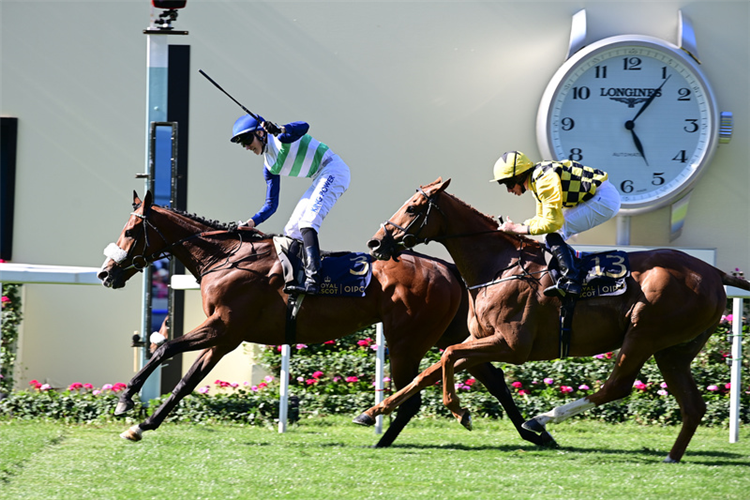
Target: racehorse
420, 300
672, 305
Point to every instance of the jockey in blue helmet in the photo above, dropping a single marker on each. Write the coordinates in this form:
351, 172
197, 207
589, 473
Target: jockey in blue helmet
289, 151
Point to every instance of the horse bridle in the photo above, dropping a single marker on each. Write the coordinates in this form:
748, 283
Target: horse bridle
415, 239
409, 240
142, 261
119, 255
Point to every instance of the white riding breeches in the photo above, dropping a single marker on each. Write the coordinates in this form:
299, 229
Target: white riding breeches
603, 206
327, 187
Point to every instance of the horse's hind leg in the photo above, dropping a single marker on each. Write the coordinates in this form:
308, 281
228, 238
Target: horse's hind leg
674, 363
493, 379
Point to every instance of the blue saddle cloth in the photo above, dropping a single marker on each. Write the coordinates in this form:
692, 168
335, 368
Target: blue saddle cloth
344, 274
606, 273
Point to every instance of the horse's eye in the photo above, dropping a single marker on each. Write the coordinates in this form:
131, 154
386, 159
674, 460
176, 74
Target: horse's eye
128, 233
411, 209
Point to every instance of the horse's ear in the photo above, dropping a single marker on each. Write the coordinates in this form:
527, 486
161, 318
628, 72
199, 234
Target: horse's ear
136, 200
444, 184
148, 200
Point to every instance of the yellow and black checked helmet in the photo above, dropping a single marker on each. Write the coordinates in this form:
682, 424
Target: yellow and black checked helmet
510, 164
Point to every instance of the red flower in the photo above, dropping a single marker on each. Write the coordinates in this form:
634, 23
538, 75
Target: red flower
517, 384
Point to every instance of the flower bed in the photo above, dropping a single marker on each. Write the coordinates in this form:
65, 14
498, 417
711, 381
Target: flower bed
338, 377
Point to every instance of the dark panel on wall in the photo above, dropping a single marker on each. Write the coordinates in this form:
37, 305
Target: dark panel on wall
8, 141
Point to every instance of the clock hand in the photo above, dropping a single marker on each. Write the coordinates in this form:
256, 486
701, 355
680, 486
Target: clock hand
631, 126
650, 99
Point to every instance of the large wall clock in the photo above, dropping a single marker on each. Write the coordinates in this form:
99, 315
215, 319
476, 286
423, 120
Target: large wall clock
637, 107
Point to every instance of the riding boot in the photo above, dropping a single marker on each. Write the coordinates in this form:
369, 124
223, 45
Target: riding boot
311, 285
571, 276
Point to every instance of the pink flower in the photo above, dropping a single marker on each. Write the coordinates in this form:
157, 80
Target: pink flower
523, 392
268, 378
96, 392
727, 318
663, 385
549, 381
583, 387
352, 379
75, 386
386, 379
204, 389
88, 386
329, 342
336, 378
470, 381
5, 299
639, 385
262, 385
45, 387
364, 342
712, 388
107, 387
119, 386
662, 392
728, 386
301, 346
235, 385
565, 389
317, 374
517, 384
310, 381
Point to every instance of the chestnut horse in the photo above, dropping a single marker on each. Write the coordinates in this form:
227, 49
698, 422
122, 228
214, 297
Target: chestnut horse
420, 300
672, 305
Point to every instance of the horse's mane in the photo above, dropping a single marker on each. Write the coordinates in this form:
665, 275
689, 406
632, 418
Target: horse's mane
217, 225
490, 219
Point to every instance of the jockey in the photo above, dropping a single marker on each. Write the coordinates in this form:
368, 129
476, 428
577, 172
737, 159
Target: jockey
289, 151
570, 198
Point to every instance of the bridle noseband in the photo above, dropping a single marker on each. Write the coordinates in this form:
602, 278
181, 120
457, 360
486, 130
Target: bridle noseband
409, 240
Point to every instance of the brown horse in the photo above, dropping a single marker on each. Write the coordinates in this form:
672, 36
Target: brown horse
420, 300
672, 305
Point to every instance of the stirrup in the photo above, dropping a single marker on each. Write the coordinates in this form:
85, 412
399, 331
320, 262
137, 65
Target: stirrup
562, 288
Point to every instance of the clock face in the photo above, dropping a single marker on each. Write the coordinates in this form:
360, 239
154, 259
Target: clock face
639, 109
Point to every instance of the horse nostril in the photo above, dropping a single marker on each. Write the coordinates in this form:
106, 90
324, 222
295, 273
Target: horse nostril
102, 275
373, 244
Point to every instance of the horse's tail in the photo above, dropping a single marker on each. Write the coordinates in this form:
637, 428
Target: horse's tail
731, 280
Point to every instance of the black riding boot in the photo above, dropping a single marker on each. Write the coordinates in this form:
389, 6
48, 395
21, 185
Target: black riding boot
570, 279
312, 263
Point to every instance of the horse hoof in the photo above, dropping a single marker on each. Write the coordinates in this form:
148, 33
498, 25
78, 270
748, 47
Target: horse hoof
123, 407
364, 419
466, 420
670, 460
548, 441
533, 426
133, 434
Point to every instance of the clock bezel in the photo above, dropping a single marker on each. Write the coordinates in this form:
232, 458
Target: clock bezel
554, 87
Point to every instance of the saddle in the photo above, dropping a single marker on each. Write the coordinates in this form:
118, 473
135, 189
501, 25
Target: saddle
344, 274
606, 274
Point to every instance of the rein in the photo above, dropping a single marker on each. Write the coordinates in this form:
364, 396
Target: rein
416, 240
167, 251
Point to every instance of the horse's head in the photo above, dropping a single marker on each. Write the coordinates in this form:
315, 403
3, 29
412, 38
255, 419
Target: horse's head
133, 250
411, 224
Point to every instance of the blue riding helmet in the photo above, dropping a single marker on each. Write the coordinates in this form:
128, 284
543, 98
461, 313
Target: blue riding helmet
245, 124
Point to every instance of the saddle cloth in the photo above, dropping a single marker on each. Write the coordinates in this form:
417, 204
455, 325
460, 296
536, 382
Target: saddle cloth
344, 274
606, 273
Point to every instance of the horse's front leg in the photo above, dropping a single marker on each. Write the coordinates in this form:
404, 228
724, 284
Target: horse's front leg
465, 356
428, 377
200, 369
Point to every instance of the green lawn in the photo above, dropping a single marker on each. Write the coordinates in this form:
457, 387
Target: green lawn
331, 458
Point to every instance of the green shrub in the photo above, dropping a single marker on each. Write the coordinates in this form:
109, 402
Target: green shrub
337, 377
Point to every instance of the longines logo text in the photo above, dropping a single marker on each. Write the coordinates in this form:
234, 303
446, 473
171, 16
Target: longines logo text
630, 96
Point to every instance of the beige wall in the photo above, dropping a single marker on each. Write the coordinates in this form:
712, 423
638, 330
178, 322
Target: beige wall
404, 92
